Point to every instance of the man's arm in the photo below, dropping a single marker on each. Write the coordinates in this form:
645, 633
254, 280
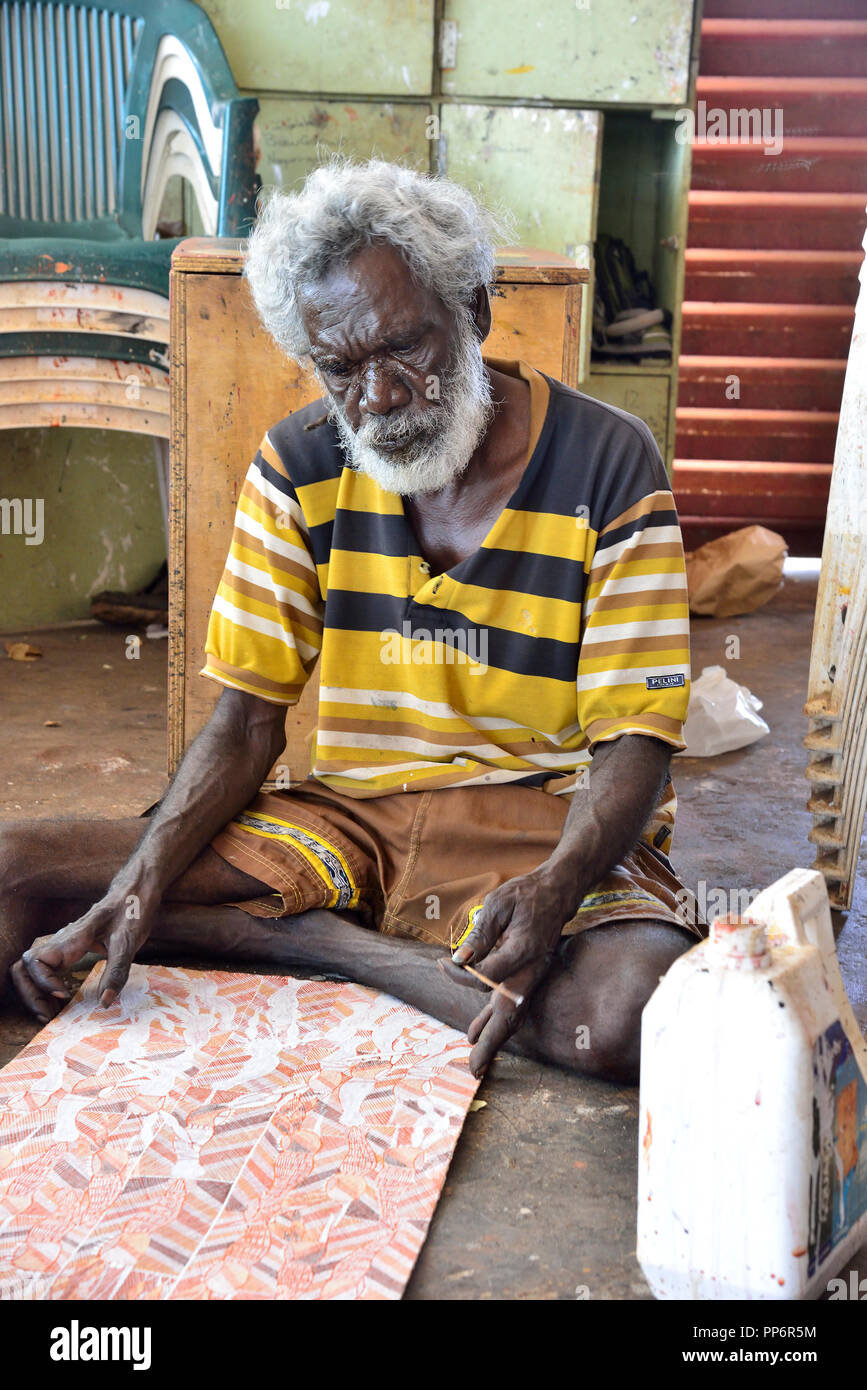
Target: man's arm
606, 819
219, 775
517, 931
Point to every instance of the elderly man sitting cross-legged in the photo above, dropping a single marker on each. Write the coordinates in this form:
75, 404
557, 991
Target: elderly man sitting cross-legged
490, 568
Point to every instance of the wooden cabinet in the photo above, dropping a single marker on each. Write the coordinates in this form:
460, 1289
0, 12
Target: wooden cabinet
230, 383
632, 52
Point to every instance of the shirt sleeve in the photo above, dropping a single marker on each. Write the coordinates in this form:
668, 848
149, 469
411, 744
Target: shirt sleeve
633, 667
265, 629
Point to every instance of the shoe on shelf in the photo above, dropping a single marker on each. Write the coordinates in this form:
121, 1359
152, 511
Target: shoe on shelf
634, 321
627, 325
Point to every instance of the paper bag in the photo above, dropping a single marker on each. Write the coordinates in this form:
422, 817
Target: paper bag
735, 573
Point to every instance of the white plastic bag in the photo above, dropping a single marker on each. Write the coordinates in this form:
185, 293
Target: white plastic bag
722, 715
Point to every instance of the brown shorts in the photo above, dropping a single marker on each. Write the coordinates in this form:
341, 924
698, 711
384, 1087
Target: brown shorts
418, 864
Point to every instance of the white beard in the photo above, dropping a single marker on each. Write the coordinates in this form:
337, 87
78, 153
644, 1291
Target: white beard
438, 443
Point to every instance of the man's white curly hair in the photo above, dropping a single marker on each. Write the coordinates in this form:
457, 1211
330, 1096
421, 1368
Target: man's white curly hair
445, 236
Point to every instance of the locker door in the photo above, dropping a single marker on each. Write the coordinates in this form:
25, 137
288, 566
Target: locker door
539, 163
542, 166
297, 133
380, 47
633, 51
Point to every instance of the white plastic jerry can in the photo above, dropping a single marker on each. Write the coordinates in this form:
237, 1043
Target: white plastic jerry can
752, 1145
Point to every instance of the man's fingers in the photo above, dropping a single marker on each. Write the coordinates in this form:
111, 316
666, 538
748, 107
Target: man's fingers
31, 996
43, 976
49, 955
487, 929
122, 946
460, 975
513, 953
475, 1029
502, 1017
64, 948
498, 1029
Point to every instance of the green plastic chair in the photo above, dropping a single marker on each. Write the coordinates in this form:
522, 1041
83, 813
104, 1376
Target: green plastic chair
101, 103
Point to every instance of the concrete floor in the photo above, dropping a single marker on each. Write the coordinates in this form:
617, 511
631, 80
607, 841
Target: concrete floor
540, 1198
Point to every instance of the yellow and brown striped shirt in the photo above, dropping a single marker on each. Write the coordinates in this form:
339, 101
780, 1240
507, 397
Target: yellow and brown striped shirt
568, 626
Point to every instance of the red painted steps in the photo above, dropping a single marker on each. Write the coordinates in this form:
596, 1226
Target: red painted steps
766, 330
784, 47
740, 488
715, 496
802, 436
779, 163
765, 383
783, 9
774, 247
777, 221
801, 537
810, 106
772, 277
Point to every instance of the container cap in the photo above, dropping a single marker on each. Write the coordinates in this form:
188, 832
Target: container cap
739, 943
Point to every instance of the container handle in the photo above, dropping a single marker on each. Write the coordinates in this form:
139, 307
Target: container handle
797, 912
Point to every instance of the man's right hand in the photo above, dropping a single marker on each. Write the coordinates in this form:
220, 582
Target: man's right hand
106, 929
220, 774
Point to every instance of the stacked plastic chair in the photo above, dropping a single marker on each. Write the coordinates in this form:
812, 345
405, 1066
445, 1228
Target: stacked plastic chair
101, 104
837, 697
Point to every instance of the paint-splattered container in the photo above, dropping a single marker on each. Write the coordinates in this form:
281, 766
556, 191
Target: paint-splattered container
752, 1167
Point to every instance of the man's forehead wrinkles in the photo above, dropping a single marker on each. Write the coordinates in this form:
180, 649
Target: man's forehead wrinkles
348, 288
373, 299
369, 332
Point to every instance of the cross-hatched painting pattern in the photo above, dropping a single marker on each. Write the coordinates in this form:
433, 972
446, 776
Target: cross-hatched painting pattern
223, 1136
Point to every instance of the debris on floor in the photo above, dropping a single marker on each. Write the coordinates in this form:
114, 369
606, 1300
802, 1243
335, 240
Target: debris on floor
722, 715
149, 607
22, 651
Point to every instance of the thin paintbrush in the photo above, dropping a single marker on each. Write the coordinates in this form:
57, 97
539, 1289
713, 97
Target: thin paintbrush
515, 998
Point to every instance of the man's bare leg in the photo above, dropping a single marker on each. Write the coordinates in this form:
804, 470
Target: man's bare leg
79, 858
594, 993
585, 1015
53, 871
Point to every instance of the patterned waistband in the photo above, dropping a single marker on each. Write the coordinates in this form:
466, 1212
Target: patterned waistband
325, 861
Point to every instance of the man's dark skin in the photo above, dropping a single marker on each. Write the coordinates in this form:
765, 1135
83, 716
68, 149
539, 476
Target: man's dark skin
377, 337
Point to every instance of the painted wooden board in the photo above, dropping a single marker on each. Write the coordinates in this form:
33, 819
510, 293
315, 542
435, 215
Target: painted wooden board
575, 50
295, 136
230, 383
540, 165
373, 46
224, 1136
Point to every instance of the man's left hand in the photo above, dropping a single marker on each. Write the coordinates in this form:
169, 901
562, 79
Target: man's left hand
513, 942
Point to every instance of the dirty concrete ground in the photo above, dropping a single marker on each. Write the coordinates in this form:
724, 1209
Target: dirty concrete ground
540, 1199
